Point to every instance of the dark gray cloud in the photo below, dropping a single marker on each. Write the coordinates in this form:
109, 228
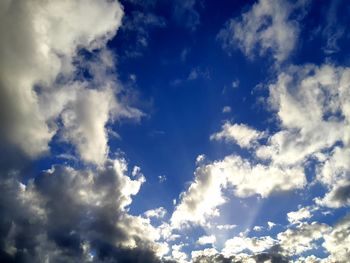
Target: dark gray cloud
68, 215
259, 258
342, 194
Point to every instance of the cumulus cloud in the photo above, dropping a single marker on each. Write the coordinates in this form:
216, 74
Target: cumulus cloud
337, 242
312, 107
335, 174
240, 244
302, 238
178, 254
69, 215
241, 134
310, 103
206, 193
65, 214
226, 227
201, 199
40, 55
241, 258
270, 225
203, 240
296, 216
266, 27
291, 243
159, 212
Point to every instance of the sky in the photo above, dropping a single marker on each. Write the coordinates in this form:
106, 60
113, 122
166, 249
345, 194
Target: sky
159, 131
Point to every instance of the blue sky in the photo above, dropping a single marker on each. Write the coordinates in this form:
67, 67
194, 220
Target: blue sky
175, 131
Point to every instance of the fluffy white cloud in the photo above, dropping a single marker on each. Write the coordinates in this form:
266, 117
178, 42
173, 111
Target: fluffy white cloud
241, 134
203, 240
203, 253
337, 242
39, 41
226, 227
270, 224
249, 179
312, 105
265, 27
201, 199
179, 255
206, 192
254, 244
84, 123
302, 238
296, 216
257, 228
39, 62
335, 174
159, 212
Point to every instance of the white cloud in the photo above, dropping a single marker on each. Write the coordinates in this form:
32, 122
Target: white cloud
338, 196
159, 212
297, 216
205, 252
254, 244
35, 47
312, 106
226, 227
203, 240
94, 214
265, 27
258, 228
270, 224
39, 55
84, 124
249, 179
308, 259
206, 193
337, 242
241, 134
179, 255
334, 173
302, 238
201, 199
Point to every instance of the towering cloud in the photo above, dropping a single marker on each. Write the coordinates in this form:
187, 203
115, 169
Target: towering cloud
40, 58
47, 50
